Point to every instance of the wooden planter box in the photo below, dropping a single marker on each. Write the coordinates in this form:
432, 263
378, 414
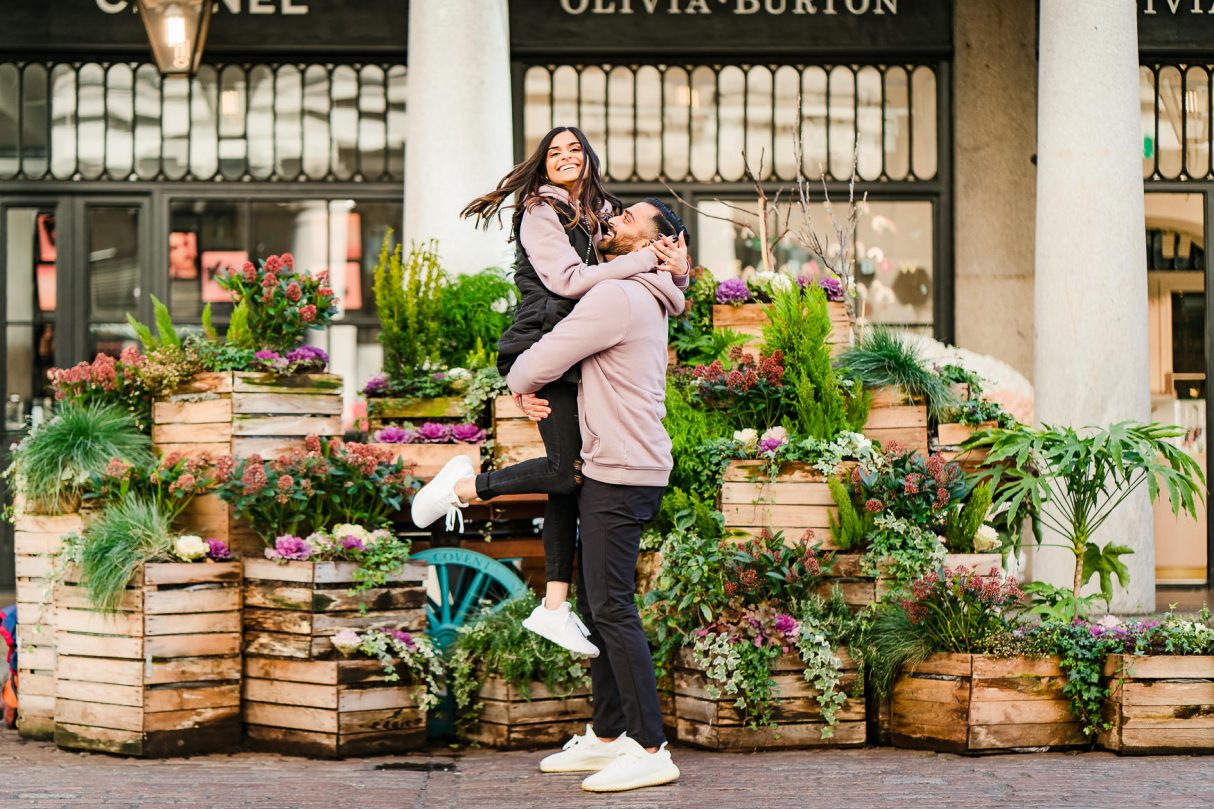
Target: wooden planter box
670, 722
981, 563
952, 435
796, 501
972, 703
384, 411
244, 413
1159, 704
427, 459
894, 416
750, 318
329, 708
515, 437
36, 538
160, 677
510, 721
649, 564
293, 609
714, 723
860, 589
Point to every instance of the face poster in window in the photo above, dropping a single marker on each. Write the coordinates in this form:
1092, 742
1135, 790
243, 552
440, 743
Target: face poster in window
214, 261
183, 255
46, 238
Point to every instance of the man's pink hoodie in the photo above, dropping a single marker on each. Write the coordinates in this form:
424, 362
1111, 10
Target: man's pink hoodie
618, 334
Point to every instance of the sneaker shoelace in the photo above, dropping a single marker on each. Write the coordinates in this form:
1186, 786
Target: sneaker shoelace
581, 627
456, 515
576, 741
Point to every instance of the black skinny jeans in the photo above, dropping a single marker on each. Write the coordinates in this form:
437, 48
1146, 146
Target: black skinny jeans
552, 475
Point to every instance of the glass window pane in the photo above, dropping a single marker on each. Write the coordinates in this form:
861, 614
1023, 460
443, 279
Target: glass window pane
147, 121
592, 108
19, 372
113, 262
677, 108
731, 137
842, 121
63, 122
119, 121
759, 146
204, 129
869, 151
649, 122
813, 121
372, 117
396, 121
894, 264
565, 107
704, 124
260, 127
10, 119
34, 122
1197, 121
1146, 96
787, 84
90, 111
21, 257
537, 112
357, 233
233, 148
343, 121
621, 137
897, 124
175, 127
288, 136
205, 237
923, 123
316, 145
1170, 111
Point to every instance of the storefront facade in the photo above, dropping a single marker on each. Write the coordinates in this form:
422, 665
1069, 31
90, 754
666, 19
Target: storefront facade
117, 184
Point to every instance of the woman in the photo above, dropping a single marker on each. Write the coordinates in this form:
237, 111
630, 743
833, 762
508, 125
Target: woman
561, 216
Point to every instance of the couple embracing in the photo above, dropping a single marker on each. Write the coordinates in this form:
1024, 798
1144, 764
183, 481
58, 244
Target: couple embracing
586, 358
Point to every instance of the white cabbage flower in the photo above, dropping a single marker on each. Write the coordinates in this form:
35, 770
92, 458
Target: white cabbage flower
986, 539
340, 532
346, 641
500, 306
778, 433
189, 548
749, 438
781, 283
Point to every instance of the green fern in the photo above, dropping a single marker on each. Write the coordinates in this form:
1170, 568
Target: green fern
962, 524
165, 331
208, 323
852, 527
239, 335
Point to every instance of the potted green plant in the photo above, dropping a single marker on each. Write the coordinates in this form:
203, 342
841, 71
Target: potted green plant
1073, 480
511, 688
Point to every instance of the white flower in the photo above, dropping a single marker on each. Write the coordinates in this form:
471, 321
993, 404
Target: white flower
941, 538
778, 433
458, 373
189, 547
340, 532
380, 534
346, 641
500, 306
764, 277
781, 283
986, 539
862, 444
749, 438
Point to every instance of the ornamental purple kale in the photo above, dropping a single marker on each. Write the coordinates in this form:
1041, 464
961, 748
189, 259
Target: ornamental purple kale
733, 291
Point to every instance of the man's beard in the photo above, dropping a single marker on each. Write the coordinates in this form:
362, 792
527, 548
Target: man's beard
613, 246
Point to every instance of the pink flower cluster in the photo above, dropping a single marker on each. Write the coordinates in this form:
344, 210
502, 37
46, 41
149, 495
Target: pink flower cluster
432, 433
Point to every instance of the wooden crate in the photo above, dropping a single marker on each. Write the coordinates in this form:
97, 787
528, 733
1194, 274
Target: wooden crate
714, 723
951, 435
797, 500
329, 708
427, 459
208, 516
36, 537
244, 413
1159, 704
385, 411
159, 677
294, 609
750, 318
963, 703
510, 721
894, 416
515, 437
649, 564
670, 722
857, 588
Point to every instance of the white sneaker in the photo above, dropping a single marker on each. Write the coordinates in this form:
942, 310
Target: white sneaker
437, 498
633, 768
583, 754
561, 627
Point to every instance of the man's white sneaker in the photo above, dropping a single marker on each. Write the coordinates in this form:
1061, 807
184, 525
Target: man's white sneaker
437, 498
633, 768
561, 627
583, 754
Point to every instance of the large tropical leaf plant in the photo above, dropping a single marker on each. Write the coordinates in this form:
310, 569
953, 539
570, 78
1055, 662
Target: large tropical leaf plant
1072, 480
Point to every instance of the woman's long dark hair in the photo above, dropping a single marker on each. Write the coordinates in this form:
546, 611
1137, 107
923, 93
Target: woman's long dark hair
588, 197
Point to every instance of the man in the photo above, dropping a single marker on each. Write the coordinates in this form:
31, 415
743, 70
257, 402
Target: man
617, 332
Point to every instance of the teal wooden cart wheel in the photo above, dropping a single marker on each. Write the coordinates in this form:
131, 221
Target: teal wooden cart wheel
459, 581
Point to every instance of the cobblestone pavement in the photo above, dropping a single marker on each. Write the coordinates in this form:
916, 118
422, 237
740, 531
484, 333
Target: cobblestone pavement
34, 775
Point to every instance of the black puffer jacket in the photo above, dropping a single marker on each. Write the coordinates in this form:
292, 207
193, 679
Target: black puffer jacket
539, 309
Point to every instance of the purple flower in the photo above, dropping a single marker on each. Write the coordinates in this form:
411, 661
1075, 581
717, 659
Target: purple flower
833, 287
308, 358
439, 376
269, 360
376, 385
771, 444
467, 434
433, 433
403, 637
733, 291
218, 550
352, 544
392, 435
786, 625
290, 547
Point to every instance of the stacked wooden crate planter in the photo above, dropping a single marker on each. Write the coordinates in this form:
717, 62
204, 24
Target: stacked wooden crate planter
159, 677
512, 720
795, 501
425, 460
750, 318
300, 695
387, 411
1159, 704
241, 414
951, 436
895, 417
713, 722
515, 437
973, 703
36, 538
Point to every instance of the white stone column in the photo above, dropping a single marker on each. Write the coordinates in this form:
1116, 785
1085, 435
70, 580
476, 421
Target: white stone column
459, 129
1090, 281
